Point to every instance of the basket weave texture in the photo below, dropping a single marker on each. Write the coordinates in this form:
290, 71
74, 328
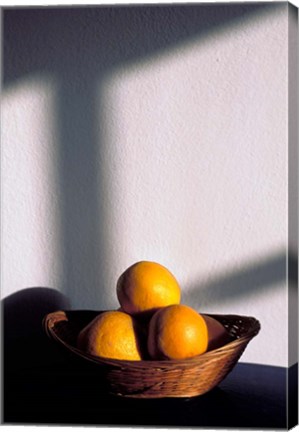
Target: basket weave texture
153, 378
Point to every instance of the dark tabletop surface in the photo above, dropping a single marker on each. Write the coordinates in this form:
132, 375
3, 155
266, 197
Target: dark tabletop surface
49, 387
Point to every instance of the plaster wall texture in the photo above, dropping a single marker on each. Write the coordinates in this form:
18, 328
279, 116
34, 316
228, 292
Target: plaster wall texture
150, 133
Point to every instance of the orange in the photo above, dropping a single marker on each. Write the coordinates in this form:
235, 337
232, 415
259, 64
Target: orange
111, 334
218, 335
146, 286
177, 332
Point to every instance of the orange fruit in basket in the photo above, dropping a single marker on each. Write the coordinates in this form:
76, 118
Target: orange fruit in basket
146, 286
218, 335
177, 332
112, 334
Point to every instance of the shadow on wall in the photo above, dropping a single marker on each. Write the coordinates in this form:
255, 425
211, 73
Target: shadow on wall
79, 47
24, 341
245, 282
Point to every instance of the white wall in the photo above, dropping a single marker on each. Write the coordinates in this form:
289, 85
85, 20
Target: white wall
152, 133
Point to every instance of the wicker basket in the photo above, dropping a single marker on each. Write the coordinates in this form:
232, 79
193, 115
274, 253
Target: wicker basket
157, 379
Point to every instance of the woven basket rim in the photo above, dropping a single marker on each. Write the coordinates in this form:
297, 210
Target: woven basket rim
52, 318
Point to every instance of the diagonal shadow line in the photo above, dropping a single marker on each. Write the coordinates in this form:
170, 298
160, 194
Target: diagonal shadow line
54, 40
80, 47
247, 281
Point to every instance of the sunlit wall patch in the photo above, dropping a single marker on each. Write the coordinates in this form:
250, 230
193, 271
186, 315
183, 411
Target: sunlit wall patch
30, 189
